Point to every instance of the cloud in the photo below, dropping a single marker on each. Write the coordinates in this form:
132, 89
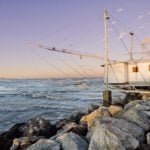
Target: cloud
119, 10
140, 17
122, 34
148, 13
141, 27
113, 22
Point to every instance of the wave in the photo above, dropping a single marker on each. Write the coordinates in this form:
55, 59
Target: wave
33, 95
65, 91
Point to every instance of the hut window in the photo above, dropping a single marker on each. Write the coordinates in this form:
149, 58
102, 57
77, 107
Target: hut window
135, 69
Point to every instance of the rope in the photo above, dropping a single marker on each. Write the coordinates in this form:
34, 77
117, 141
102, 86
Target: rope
75, 70
82, 69
51, 64
126, 49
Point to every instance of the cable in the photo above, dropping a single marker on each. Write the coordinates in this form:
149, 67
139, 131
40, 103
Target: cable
55, 67
70, 66
126, 48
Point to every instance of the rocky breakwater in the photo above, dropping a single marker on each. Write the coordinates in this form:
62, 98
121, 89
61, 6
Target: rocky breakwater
117, 127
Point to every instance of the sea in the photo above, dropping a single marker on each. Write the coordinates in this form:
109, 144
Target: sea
53, 99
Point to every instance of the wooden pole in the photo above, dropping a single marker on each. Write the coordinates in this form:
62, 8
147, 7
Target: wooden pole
106, 93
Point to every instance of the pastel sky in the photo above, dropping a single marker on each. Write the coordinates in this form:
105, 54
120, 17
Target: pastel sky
70, 24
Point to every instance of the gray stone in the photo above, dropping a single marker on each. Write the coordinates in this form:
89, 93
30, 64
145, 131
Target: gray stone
44, 144
136, 104
71, 141
39, 127
108, 137
138, 111
138, 117
103, 139
148, 138
110, 133
121, 124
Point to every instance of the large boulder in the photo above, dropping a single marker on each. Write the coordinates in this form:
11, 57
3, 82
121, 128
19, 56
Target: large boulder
6, 138
138, 118
121, 124
138, 104
39, 127
110, 133
45, 144
104, 139
71, 141
102, 111
138, 112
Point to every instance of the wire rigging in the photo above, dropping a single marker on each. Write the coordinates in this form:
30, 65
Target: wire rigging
126, 48
74, 69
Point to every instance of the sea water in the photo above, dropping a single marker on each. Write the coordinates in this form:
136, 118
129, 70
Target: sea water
53, 99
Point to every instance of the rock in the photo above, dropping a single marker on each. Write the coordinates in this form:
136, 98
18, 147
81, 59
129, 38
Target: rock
92, 107
102, 111
20, 143
60, 133
138, 112
137, 103
40, 127
148, 138
115, 110
106, 138
81, 130
132, 96
71, 141
24, 142
34, 139
44, 144
121, 124
59, 125
6, 138
138, 117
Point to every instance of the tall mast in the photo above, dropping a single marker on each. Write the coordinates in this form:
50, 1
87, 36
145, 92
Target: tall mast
106, 17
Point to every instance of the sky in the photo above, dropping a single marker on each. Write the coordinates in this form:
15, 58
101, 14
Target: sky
66, 24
